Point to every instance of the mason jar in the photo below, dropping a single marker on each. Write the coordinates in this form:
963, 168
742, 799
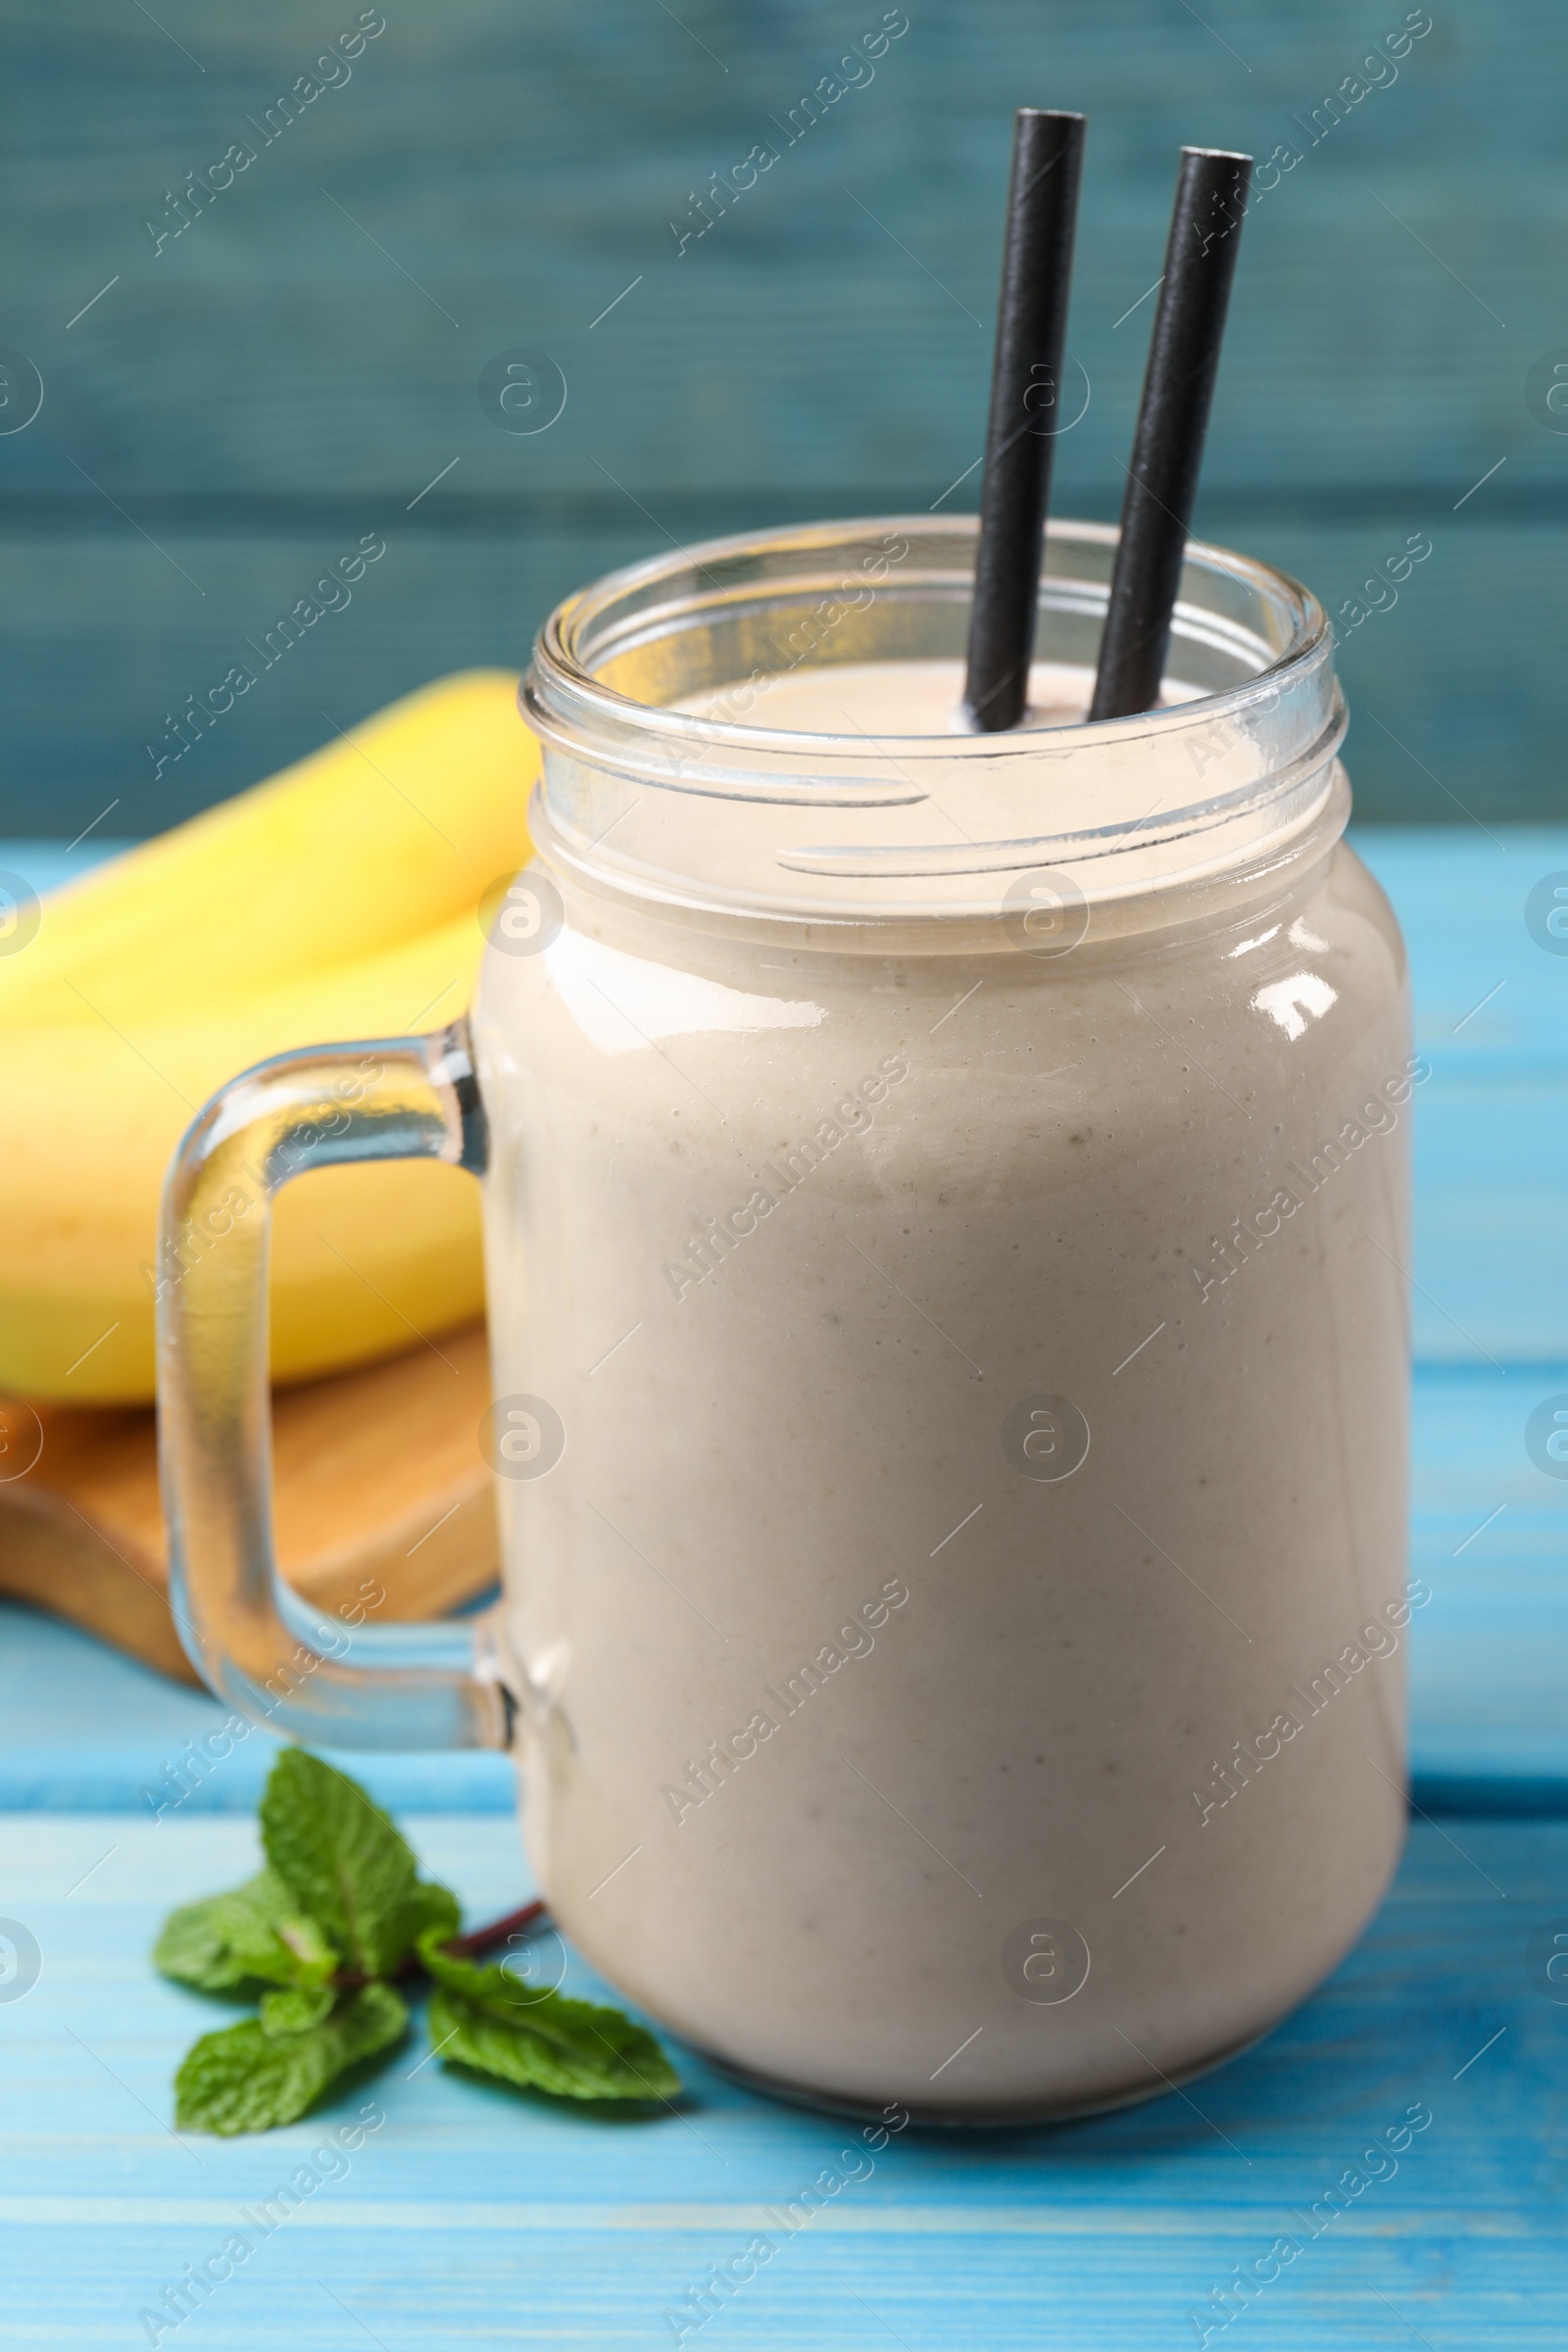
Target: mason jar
945, 1230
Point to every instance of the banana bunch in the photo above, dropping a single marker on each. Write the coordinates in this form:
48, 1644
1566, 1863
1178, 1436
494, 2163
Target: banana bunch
338, 900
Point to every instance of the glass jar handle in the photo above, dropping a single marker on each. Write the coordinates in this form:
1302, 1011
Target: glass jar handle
251, 1639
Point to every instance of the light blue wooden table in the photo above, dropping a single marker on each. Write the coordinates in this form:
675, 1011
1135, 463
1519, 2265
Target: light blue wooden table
473, 2218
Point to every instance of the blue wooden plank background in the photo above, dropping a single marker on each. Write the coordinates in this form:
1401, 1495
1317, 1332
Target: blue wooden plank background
227, 411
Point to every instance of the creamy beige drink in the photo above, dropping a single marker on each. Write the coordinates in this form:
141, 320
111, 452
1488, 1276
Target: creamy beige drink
956, 1544
946, 1224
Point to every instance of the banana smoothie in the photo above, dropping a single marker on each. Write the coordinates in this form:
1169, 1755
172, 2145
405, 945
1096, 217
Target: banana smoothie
954, 1313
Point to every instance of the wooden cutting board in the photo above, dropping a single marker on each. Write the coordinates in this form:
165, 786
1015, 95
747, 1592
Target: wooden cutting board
380, 1490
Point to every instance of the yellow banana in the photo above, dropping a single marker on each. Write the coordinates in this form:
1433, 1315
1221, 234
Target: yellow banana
365, 1259
390, 830
338, 900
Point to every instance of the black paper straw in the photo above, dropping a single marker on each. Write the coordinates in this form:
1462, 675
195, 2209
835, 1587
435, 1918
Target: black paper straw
1026, 405
1206, 229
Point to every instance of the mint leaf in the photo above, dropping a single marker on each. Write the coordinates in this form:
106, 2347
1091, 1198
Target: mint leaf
295, 2009
247, 2078
572, 2049
431, 1910
257, 1934
339, 1908
483, 2017
344, 1862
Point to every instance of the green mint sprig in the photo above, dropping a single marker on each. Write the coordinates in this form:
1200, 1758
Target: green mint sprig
340, 1910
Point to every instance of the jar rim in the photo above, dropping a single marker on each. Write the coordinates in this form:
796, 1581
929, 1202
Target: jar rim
565, 649
677, 802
